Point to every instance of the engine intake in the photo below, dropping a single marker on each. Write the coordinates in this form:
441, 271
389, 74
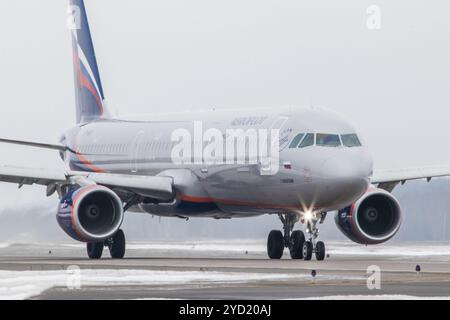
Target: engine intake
90, 214
375, 218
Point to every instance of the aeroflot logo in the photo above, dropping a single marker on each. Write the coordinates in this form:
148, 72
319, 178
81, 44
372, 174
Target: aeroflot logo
236, 146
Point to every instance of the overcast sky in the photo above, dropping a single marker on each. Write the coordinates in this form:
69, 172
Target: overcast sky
154, 56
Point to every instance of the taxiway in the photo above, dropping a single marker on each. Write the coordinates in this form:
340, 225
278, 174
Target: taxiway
222, 270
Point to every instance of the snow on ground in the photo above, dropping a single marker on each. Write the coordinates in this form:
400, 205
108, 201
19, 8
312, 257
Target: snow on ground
336, 248
412, 249
258, 247
25, 284
253, 246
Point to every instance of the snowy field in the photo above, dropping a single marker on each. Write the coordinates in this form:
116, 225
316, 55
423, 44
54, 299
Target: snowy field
258, 247
26, 284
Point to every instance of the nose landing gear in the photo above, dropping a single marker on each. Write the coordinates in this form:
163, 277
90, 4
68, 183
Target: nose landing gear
311, 246
299, 248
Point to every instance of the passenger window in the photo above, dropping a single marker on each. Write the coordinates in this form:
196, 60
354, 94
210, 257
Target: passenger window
328, 140
296, 141
350, 140
307, 141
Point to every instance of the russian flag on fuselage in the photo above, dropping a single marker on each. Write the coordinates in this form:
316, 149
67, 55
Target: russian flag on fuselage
89, 95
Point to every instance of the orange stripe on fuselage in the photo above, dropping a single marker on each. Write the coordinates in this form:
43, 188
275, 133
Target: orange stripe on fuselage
236, 202
84, 160
89, 164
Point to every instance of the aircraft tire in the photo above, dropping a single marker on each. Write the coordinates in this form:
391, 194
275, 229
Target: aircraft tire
275, 244
320, 251
307, 250
117, 247
94, 250
296, 245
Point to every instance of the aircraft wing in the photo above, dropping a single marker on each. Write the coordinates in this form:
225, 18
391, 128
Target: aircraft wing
389, 179
28, 176
148, 186
50, 146
155, 187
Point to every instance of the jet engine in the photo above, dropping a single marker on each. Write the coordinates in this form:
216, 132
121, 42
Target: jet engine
90, 214
374, 218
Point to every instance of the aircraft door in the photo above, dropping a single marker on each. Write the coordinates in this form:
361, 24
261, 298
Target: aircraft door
135, 153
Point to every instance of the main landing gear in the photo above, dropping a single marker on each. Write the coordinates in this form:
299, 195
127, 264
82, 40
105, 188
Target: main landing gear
299, 247
116, 245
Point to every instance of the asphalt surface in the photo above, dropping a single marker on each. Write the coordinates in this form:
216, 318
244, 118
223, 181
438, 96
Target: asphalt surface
224, 271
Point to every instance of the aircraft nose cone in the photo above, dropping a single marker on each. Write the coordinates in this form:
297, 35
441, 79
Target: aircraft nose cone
346, 179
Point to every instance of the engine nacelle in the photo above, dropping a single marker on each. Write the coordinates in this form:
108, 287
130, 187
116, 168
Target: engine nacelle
90, 214
374, 218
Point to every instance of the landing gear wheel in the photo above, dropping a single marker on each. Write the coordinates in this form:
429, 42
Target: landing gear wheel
307, 250
320, 251
94, 250
296, 245
117, 245
275, 244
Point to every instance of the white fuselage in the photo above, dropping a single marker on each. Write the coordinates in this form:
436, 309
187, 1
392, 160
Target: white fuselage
313, 178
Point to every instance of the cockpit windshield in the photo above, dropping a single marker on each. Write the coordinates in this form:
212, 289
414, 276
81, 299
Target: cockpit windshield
296, 140
307, 141
303, 140
350, 140
328, 140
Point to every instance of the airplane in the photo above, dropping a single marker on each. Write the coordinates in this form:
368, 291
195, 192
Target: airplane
125, 164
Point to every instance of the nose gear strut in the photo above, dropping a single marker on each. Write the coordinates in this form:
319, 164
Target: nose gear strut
312, 246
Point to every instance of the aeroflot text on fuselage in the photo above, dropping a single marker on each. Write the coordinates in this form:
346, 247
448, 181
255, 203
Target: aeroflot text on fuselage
235, 146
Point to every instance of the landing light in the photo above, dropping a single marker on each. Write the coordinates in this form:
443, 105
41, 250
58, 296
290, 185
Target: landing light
308, 215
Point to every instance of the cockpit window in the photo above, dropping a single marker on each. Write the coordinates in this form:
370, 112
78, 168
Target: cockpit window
296, 140
307, 141
328, 140
351, 140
